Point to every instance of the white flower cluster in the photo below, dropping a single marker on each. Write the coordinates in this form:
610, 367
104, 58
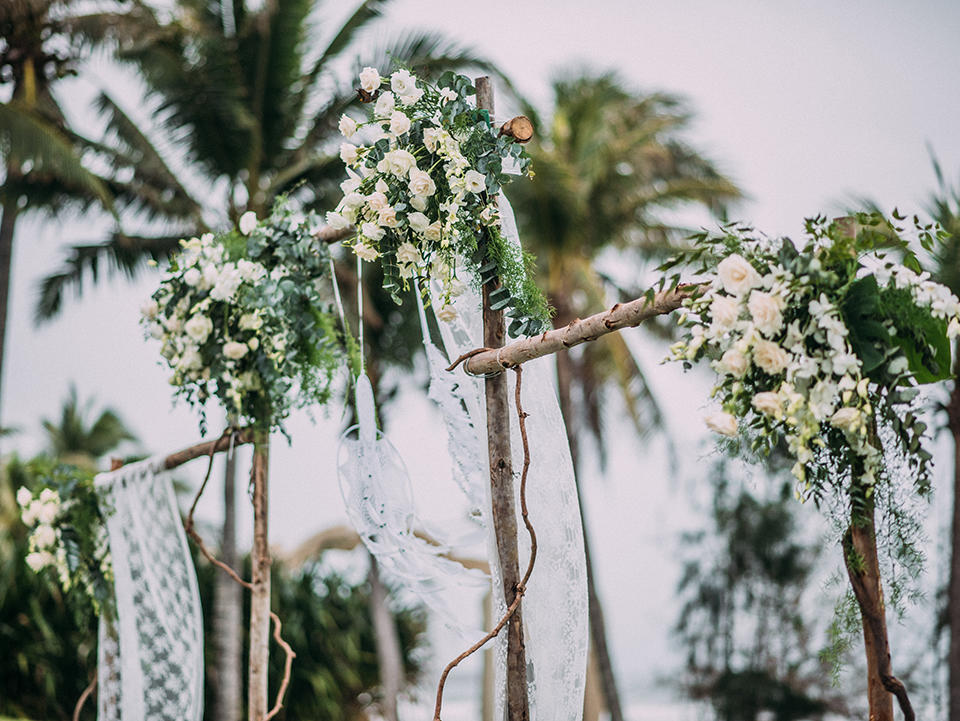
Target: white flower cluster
412, 191
197, 343
783, 355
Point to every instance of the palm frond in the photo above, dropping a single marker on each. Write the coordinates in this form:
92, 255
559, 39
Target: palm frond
366, 12
121, 254
26, 137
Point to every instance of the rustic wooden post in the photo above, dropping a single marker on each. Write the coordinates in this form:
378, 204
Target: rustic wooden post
501, 482
257, 698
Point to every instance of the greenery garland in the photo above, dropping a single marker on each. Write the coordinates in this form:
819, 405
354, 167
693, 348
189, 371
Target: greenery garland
820, 350
422, 194
244, 316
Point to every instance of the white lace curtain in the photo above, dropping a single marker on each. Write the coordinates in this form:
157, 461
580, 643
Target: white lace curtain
150, 665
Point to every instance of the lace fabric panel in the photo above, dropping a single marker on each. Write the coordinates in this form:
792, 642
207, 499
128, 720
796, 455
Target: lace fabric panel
159, 625
555, 605
379, 501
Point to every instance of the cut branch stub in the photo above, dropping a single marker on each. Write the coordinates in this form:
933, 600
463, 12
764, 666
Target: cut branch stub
519, 128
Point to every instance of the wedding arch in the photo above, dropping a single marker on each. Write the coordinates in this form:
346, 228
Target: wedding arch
818, 350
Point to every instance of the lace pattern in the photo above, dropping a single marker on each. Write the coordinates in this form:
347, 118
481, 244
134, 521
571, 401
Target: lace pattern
151, 659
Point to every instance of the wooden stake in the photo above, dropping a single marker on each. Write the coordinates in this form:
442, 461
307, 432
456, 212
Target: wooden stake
501, 483
257, 694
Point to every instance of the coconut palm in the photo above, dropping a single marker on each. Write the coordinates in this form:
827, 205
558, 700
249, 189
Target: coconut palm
610, 164
80, 440
41, 41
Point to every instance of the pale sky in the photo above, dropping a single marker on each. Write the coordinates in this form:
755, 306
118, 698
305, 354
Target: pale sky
803, 104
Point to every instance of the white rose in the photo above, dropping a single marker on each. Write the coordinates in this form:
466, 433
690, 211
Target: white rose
352, 200
446, 314
723, 423
347, 126
172, 324
210, 275
337, 221
48, 495
248, 221
408, 253
37, 561
397, 162
385, 105
767, 402
351, 184
447, 95
434, 231
846, 419
430, 137
198, 328
418, 221
227, 284
381, 186
47, 512
737, 275
369, 79
371, 231
734, 362
192, 277
377, 201
412, 97
234, 350
249, 270
365, 252
456, 287
348, 153
191, 360
418, 202
402, 82
44, 536
24, 497
770, 357
399, 123
475, 182
251, 321
388, 218
253, 343
724, 311
421, 183
766, 311
149, 309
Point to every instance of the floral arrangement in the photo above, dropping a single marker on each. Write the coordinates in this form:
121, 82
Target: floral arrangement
822, 347
422, 194
244, 316
68, 534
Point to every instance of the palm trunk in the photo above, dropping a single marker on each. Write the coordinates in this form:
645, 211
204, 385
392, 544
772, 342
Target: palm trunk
389, 657
953, 590
228, 610
7, 224
598, 631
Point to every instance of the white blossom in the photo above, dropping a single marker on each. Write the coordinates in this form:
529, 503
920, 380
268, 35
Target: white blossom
377, 201
446, 314
385, 105
399, 123
336, 220
227, 284
234, 350
737, 275
369, 79
418, 222
365, 251
475, 182
347, 126
734, 362
447, 95
192, 277
770, 357
421, 184
44, 536
418, 202
38, 560
766, 310
348, 153
371, 231
24, 497
767, 402
846, 419
198, 328
402, 82
149, 309
408, 253
388, 218
248, 221
722, 422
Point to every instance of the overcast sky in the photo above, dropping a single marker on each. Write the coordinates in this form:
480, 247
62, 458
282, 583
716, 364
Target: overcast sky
804, 104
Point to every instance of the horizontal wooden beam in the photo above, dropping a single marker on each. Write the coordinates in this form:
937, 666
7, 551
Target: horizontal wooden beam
622, 315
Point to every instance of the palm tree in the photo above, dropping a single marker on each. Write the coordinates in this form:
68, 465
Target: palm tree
608, 164
249, 98
40, 43
80, 440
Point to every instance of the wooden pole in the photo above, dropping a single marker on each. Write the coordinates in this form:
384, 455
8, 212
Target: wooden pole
501, 483
257, 693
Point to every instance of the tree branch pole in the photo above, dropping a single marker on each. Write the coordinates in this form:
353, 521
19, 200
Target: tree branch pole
493, 359
501, 484
257, 693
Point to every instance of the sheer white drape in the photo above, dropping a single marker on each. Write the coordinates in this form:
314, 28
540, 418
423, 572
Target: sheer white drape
151, 654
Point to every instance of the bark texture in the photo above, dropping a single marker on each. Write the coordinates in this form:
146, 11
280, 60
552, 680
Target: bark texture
228, 610
389, 657
501, 484
257, 693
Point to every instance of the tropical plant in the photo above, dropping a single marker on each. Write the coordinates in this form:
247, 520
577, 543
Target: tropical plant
78, 439
741, 621
611, 165
41, 42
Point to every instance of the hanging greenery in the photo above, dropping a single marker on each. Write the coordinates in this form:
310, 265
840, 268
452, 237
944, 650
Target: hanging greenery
68, 537
244, 316
422, 194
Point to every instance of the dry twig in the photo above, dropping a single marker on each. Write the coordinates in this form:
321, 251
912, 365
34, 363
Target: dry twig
522, 586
